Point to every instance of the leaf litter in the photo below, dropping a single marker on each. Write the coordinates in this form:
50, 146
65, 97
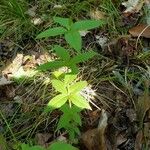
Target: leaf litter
113, 127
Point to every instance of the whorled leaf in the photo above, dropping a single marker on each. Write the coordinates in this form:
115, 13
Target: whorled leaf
80, 101
59, 86
87, 24
77, 87
51, 32
62, 52
73, 38
57, 101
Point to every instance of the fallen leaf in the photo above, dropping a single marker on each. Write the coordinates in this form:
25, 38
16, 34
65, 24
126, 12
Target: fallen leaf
94, 139
140, 30
143, 106
146, 134
4, 81
42, 139
96, 14
133, 6
138, 140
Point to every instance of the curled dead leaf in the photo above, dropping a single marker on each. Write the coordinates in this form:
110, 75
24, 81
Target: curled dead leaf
140, 30
95, 139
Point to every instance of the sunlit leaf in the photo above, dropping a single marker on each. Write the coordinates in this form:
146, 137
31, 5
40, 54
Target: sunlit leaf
57, 101
51, 32
59, 86
79, 101
78, 86
69, 78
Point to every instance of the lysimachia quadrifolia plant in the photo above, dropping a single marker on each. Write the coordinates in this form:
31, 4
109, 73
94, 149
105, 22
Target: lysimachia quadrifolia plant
69, 100
71, 31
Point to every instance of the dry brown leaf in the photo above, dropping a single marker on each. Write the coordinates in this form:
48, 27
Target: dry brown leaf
42, 139
143, 106
95, 139
138, 140
146, 134
140, 30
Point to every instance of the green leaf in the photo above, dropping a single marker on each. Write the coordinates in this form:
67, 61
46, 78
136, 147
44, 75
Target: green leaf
82, 57
63, 121
51, 65
66, 22
74, 68
77, 87
87, 24
77, 118
61, 146
73, 109
51, 32
74, 40
62, 53
57, 101
59, 86
69, 78
80, 101
76, 129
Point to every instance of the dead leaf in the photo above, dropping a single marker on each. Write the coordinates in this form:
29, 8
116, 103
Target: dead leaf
143, 106
140, 30
96, 14
133, 6
4, 81
95, 139
42, 139
138, 140
146, 134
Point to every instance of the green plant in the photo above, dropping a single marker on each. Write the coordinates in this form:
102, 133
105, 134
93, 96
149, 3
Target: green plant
71, 30
70, 97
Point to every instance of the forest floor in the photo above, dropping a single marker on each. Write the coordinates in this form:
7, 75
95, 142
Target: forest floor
118, 78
